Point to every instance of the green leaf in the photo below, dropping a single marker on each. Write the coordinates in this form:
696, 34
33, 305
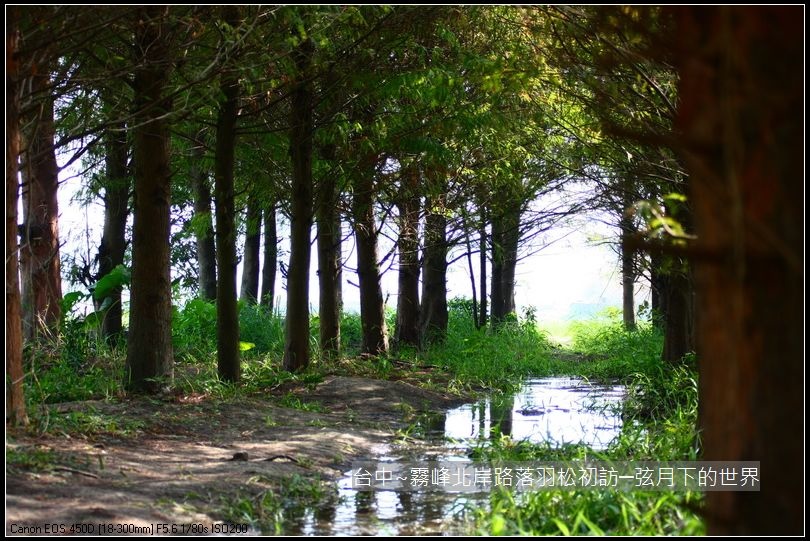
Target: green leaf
118, 277
562, 526
71, 299
92, 320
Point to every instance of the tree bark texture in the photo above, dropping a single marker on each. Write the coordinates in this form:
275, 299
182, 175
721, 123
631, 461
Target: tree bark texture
372, 306
270, 256
39, 250
330, 269
206, 247
296, 346
250, 260
628, 271
113, 240
482, 255
505, 240
407, 323
678, 319
150, 360
15, 401
228, 364
433, 314
740, 116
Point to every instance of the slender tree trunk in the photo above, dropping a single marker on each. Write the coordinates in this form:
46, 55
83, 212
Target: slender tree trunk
482, 240
471, 270
498, 313
113, 241
511, 240
330, 264
15, 401
407, 324
628, 272
250, 261
270, 256
659, 289
150, 361
296, 346
206, 248
372, 308
433, 323
39, 253
228, 364
740, 116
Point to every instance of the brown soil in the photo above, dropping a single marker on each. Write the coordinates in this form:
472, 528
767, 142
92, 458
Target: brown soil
191, 453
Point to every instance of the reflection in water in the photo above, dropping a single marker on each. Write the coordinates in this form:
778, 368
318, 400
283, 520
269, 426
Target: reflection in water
500, 414
553, 410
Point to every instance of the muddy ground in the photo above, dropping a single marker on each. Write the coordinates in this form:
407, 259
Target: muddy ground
188, 455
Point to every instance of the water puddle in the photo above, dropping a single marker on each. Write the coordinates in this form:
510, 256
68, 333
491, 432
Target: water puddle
548, 410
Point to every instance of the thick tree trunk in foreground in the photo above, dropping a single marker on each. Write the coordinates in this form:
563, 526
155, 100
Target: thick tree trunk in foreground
250, 262
372, 307
15, 401
296, 346
407, 324
39, 251
270, 256
113, 241
150, 361
206, 248
740, 115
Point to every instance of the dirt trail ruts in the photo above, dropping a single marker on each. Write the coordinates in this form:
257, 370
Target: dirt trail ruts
190, 453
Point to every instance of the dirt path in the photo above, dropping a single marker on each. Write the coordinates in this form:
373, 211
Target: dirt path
188, 455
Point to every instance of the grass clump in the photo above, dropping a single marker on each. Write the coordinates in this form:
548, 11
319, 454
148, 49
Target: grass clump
276, 509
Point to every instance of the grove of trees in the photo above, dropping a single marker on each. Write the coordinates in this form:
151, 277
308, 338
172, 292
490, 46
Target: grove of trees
438, 127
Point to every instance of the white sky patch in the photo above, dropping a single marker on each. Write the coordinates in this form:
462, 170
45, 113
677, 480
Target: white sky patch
570, 278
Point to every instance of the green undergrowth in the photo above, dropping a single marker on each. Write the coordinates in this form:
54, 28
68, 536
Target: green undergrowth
610, 351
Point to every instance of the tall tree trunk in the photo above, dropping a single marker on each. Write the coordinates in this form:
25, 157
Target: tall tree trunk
39, 253
250, 261
433, 322
113, 240
628, 272
505, 241
677, 325
482, 241
15, 401
407, 324
270, 256
206, 248
471, 270
659, 281
330, 264
740, 116
228, 365
296, 346
372, 307
150, 360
